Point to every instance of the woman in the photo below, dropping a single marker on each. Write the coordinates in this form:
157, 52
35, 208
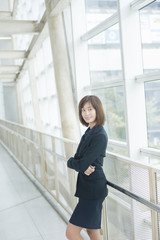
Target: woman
91, 186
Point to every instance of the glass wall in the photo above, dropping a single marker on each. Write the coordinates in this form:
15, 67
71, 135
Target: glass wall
30, 10
105, 56
27, 10
150, 35
27, 101
49, 118
47, 94
152, 93
99, 10
105, 68
113, 103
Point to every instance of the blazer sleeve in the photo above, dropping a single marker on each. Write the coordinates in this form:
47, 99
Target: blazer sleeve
95, 149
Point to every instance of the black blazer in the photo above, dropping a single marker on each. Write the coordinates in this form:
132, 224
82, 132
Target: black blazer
91, 152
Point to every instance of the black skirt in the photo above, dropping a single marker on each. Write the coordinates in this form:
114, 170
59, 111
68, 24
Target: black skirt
87, 214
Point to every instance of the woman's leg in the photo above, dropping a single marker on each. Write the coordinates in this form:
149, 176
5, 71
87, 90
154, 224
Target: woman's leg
94, 234
73, 232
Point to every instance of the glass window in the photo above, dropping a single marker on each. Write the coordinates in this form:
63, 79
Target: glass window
30, 10
46, 89
99, 10
105, 56
113, 102
27, 100
152, 93
27, 10
150, 34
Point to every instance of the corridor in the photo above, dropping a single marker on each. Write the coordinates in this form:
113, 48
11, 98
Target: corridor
24, 213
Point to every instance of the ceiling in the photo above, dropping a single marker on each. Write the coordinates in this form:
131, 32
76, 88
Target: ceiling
10, 64
12, 60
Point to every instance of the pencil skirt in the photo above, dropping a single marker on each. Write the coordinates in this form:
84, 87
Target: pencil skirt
87, 214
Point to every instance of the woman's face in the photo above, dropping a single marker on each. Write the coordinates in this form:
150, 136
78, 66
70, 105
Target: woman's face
89, 114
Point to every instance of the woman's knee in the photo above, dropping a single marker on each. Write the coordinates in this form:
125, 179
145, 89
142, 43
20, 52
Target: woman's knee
69, 233
89, 232
93, 233
73, 232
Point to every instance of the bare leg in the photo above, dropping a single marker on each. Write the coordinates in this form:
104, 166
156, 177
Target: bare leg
94, 234
73, 232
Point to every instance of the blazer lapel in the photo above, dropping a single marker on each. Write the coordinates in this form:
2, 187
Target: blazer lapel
85, 142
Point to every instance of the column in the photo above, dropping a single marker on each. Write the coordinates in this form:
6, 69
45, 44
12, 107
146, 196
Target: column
62, 76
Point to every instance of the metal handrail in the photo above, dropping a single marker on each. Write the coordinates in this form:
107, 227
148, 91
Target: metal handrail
35, 143
147, 203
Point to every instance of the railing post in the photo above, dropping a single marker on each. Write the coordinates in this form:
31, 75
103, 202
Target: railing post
43, 162
153, 198
55, 171
105, 221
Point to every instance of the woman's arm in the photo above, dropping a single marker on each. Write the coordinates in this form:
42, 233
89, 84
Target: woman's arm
97, 147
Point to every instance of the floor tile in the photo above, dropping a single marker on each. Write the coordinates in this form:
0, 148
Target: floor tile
17, 224
47, 220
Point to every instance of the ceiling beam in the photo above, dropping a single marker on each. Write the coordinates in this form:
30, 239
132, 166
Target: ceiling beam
8, 80
35, 43
13, 54
6, 76
9, 68
18, 27
4, 15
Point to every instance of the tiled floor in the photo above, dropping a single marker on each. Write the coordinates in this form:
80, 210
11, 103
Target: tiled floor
24, 213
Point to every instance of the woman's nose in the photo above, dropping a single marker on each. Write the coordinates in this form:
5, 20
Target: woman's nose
87, 112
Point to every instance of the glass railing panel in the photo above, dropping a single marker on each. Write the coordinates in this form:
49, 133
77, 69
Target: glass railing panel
126, 222
30, 164
128, 176
64, 186
59, 147
50, 172
36, 136
38, 160
46, 141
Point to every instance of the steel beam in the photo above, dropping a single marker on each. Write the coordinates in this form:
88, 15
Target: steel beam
5, 14
10, 76
9, 68
138, 4
14, 54
18, 27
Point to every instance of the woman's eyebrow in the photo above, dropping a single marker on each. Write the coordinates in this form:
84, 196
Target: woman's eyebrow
87, 107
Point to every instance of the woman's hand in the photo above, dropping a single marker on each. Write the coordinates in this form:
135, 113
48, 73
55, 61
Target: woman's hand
89, 170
